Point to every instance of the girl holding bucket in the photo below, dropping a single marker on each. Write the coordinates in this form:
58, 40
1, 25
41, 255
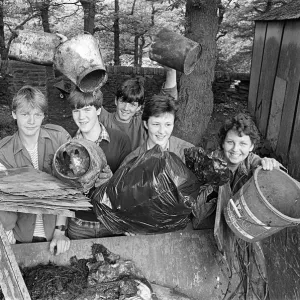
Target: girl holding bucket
238, 137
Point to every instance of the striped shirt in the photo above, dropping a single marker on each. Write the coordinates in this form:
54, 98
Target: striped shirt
39, 224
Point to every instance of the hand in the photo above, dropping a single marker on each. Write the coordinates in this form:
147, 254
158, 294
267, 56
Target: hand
270, 163
104, 176
59, 242
62, 37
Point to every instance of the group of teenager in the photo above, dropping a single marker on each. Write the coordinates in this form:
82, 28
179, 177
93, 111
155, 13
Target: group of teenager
135, 127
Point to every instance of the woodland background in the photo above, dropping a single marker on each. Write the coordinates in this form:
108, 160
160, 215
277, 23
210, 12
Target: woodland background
125, 30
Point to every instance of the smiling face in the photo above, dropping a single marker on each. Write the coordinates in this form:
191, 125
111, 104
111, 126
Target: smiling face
29, 120
86, 118
125, 110
236, 148
160, 129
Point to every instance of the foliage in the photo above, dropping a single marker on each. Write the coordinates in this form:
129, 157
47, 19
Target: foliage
237, 31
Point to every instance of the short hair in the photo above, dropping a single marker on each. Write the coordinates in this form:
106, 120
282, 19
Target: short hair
242, 124
79, 99
132, 90
29, 97
158, 105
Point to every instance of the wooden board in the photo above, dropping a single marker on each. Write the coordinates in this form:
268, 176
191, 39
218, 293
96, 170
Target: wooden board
221, 231
276, 111
185, 260
289, 70
283, 264
11, 280
257, 54
268, 73
294, 153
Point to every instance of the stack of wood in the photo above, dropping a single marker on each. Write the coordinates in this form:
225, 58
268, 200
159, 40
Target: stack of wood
32, 191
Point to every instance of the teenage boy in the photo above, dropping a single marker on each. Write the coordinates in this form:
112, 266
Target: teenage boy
86, 108
33, 145
129, 102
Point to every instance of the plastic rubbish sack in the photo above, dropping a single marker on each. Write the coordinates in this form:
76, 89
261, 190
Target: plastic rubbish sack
208, 169
211, 172
154, 192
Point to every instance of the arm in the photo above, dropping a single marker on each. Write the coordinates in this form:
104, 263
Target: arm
59, 240
170, 85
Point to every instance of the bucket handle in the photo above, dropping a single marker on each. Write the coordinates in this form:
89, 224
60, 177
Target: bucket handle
262, 225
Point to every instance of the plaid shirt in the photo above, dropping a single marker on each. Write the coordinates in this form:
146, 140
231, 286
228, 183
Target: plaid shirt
88, 224
102, 136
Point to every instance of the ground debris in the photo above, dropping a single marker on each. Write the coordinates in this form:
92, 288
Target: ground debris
105, 276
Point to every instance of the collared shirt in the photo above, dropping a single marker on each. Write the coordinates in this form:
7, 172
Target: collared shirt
102, 136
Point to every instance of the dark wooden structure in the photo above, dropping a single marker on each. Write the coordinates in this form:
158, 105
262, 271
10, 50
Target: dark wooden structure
275, 80
274, 101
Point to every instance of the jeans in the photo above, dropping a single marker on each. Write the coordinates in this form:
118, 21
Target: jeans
78, 232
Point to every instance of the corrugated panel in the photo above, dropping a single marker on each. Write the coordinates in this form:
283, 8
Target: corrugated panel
289, 70
257, 54
276, 111
268, 72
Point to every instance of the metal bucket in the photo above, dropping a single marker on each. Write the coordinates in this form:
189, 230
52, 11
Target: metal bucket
175, 51
36, 47
267, 203
79, 58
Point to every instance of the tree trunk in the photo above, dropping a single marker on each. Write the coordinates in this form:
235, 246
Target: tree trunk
117, 35
45, 16
2, 38
136, 49
196, 96
89, 9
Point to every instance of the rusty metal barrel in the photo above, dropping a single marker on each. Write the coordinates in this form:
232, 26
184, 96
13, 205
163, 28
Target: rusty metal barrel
80, 59
175, 51
36, 47
79, 162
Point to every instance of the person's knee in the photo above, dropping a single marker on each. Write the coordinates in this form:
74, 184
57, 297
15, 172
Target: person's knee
8, 219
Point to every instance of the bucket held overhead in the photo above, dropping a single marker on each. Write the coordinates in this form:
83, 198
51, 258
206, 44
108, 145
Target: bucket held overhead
80, 59
35, 47
175, 51
267, 203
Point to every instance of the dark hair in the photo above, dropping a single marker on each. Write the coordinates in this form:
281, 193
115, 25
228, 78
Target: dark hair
29, 97
159, 104
241, 123
79, 99
132, 90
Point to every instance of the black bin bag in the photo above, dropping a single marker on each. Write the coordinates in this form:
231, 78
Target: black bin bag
153, 193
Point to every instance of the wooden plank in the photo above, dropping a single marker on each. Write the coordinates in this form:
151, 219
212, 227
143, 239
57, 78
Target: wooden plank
257, 54
289, 70
37, 210
222, 232
294, 153
268, 73
11, 280
276, 111
283, 264
184, 260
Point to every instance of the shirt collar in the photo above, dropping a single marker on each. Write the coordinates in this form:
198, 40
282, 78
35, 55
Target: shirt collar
102, 136
18, 146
